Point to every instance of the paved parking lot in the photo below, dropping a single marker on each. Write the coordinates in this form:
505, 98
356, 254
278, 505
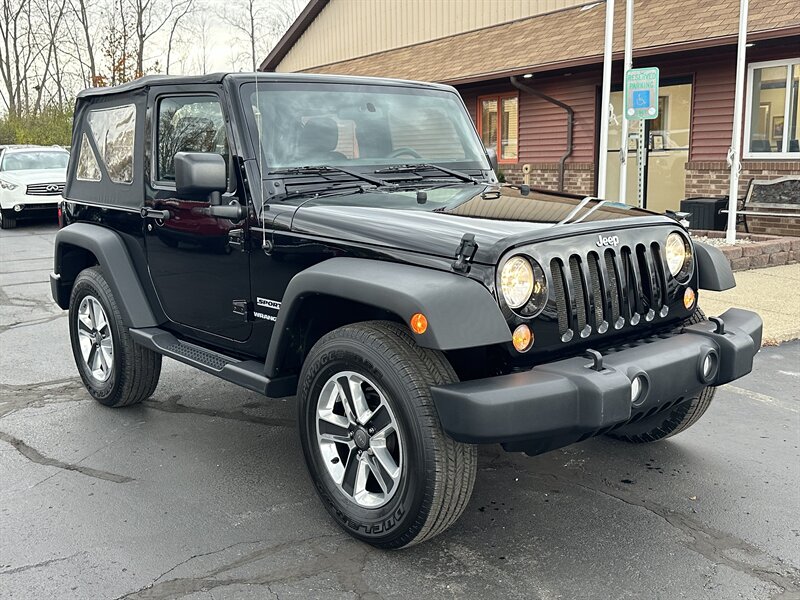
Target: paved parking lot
201, 492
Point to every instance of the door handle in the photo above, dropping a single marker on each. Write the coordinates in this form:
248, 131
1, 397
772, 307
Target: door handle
153, 213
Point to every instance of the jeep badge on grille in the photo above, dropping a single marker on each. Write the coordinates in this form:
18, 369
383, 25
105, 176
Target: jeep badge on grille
611, 240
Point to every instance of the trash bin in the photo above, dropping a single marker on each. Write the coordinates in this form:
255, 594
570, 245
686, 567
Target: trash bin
705, 213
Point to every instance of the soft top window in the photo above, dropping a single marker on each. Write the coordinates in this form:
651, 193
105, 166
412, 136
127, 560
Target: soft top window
113, 130
87, 162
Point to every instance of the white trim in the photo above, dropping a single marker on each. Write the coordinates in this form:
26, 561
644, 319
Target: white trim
789, 62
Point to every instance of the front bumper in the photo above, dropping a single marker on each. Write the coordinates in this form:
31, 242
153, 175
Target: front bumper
32, 210
569, 400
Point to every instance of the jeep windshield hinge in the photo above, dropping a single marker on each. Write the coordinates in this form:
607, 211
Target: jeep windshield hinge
465, 253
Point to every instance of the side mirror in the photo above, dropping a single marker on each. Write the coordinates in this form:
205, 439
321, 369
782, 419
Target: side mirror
199, 175
492, 154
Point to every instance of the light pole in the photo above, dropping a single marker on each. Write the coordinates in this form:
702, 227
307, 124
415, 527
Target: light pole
623, 143
605, 101
734, 155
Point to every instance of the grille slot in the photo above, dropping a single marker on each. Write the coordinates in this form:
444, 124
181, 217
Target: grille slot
579, 290
613, 285
596, 292
44, 189
561, 297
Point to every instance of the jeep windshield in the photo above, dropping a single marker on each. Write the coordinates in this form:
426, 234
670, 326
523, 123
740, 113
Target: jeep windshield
364, 128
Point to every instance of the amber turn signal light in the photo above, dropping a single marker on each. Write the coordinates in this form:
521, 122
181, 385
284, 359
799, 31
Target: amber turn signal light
522, 338
689, 298
419, 323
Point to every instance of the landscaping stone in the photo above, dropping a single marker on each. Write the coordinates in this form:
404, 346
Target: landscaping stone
752, 251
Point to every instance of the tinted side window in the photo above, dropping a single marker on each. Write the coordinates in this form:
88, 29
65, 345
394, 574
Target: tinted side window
188, 124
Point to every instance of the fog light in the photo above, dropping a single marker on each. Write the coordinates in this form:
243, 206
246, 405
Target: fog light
522, 338
689, 298
709, 367
638, 389
18, 207
419, 323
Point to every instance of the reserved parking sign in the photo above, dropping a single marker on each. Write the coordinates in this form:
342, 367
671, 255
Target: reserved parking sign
641, 93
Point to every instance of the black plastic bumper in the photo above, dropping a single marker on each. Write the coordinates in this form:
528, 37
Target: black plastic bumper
565, 401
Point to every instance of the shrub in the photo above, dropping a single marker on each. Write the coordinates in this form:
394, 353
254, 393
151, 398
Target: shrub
51, 126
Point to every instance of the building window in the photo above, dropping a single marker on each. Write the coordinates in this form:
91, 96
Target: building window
772, 127
498, 124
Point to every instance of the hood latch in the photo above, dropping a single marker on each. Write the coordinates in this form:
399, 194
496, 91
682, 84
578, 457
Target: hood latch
465, 253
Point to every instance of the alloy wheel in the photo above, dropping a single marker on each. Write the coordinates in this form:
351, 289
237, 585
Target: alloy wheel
359, 439
94, 337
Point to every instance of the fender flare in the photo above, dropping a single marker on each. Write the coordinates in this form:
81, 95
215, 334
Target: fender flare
461, 312
714, 268
109, 249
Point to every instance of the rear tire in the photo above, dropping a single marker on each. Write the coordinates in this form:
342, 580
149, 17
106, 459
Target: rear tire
665, 424
115, 370
427, 477
7, 221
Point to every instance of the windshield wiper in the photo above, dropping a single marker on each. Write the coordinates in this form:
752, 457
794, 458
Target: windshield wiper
351, 188
320, 170
427, 166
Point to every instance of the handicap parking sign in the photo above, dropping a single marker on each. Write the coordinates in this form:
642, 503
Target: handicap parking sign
641, 99
641, 93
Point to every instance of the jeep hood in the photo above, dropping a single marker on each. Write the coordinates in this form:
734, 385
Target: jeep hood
499, 220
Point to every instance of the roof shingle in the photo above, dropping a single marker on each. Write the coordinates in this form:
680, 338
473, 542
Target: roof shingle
568, 38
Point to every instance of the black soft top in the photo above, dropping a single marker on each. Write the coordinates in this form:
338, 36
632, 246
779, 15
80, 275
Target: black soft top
216, 78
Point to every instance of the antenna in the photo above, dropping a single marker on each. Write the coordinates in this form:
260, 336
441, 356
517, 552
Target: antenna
260, 161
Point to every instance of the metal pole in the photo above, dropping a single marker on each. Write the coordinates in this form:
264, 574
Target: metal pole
734, 157
623, 143
605, 101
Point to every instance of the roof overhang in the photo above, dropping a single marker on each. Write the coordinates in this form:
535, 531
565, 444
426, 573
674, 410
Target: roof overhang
296, 29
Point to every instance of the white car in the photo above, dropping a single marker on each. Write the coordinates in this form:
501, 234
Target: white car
31, 182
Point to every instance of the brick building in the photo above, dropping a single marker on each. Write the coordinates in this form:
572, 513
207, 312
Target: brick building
512, 59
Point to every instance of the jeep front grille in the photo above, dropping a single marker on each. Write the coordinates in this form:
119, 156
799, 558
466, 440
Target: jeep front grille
45, 189
604, 289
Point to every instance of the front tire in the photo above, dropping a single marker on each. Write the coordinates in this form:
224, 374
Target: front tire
663, 425
371, 437
115, 370
7, 221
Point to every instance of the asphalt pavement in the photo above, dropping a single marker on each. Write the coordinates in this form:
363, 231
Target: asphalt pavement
201, 492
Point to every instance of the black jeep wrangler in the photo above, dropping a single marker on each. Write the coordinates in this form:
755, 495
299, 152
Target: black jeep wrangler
346, 240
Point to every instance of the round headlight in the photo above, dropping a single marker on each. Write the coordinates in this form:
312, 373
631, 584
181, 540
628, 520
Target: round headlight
516, 281
678, 255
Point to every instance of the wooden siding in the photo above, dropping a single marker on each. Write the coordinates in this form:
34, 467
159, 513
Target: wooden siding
346, 29
542, 126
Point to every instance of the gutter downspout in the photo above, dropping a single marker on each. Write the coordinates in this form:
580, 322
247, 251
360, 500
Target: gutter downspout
570, 120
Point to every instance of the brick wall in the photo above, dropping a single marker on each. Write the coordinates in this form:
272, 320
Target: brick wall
578, 177
713, 178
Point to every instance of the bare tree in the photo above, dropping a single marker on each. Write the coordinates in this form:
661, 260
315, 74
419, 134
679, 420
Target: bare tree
260, 22
151, 16
51, 15
176, 21
83, 18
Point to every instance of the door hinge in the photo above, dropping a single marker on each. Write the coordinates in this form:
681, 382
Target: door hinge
465, 253
243, 308
236, 239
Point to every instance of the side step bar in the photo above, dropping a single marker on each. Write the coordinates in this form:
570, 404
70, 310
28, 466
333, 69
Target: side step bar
246, 373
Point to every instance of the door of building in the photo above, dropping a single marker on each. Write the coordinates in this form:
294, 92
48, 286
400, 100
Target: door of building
667, 150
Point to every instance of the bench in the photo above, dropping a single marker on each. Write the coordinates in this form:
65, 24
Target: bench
769, 198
